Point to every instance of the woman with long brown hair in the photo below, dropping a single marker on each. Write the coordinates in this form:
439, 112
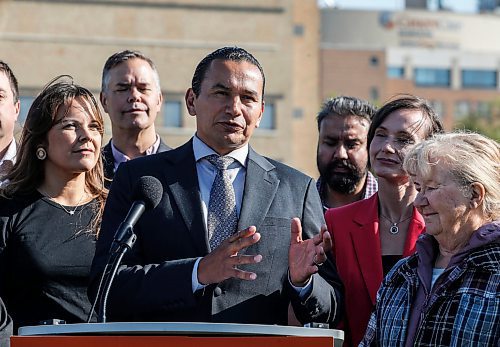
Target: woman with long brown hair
371, 235
51, 206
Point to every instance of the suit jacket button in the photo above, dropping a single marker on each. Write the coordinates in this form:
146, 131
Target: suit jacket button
217, 291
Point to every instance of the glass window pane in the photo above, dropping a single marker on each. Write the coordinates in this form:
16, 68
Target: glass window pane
462, 110
172, 114
374, 94
484, 109
395, 72
479, 79
26, 102
432, 77
438, 106
268, 120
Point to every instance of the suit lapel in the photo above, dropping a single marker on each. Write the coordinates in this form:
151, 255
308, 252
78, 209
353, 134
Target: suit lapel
108, 161
186, 193
261, 185
366, 242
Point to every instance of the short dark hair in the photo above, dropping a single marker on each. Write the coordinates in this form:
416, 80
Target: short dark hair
346, 106
4, 67
225, 53
407, 102
121, 57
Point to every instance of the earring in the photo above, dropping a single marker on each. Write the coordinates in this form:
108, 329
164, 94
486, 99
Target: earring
41, 153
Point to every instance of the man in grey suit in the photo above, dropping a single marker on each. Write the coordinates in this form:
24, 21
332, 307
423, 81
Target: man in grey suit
131, 96
278, 250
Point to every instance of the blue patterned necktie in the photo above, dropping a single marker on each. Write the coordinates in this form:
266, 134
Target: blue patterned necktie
222, 218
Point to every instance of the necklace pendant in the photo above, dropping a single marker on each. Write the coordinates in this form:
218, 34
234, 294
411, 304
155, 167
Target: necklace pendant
71, 212
394, 229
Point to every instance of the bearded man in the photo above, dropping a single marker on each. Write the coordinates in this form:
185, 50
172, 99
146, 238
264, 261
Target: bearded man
342, 155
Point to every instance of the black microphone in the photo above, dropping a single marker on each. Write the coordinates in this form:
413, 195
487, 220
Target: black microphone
146, 195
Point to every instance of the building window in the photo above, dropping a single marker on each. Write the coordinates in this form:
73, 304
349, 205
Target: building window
298, 113
427, 77
479, 79
268, 120
298, 30
484, 109
438, 108
374, 94
462, 110
26, 102
395, 72
172, 114
374, 60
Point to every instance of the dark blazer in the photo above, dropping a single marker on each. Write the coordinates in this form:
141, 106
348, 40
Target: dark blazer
109, 161
358, 256
155, 282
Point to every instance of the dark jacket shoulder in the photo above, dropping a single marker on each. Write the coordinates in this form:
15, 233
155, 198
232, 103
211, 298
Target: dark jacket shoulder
109, 161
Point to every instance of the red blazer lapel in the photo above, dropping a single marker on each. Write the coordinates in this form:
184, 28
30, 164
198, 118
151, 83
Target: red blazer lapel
366, 243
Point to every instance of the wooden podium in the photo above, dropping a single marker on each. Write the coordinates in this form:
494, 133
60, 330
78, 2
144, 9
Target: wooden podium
174, 335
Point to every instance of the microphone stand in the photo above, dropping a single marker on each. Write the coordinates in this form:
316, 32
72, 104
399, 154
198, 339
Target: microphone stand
124, 243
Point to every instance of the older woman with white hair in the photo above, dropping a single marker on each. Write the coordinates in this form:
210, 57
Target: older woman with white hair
448, 292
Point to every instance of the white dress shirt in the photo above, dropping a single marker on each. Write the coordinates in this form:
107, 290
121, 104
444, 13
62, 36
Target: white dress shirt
207, 172
8, 159
120, 157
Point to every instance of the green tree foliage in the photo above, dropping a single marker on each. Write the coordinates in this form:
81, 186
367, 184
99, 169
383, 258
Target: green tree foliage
487, 125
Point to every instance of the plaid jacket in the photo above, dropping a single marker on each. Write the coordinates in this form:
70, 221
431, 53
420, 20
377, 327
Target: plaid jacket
463, 310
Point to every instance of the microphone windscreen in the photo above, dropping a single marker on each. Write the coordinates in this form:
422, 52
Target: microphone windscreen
149, 190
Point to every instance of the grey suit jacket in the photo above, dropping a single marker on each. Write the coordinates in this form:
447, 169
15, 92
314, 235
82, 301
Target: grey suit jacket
154, 282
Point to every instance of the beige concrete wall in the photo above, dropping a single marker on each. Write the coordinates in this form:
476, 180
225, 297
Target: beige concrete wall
350, 72
42, 39
305, 88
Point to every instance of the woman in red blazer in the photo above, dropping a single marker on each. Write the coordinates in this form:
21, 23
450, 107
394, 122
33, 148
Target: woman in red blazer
371, 235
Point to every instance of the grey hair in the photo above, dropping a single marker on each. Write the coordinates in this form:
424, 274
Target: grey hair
469, 157
121, 57
346, 106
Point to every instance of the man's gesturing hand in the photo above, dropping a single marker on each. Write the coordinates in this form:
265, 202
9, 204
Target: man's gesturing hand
222, 263
305, 256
